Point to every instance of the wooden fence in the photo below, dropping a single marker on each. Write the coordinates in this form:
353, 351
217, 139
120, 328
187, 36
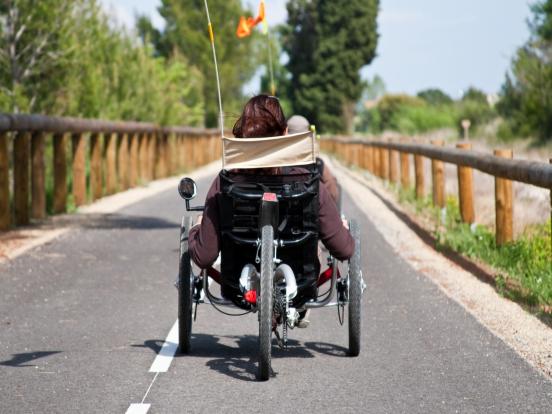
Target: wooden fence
383, 159
102, 158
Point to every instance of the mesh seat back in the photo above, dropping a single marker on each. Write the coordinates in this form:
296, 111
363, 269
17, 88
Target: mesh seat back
239, 203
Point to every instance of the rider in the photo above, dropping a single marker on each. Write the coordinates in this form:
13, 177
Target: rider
263, 117
297, 124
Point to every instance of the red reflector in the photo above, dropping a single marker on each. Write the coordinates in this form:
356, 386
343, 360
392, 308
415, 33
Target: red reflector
251, 296
269, 197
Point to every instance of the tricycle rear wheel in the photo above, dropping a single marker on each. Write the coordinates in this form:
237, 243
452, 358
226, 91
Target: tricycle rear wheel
265, 305
355, 293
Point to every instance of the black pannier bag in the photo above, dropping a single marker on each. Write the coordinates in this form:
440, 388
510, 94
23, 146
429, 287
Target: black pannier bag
239, 201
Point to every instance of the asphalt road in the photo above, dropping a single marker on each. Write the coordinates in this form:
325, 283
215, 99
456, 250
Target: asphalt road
84, 317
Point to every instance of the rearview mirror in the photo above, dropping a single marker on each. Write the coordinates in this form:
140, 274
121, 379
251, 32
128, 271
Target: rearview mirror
187, 188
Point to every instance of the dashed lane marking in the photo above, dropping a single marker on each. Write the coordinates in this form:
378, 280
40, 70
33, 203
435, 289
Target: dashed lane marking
161, 363
163, 360
138, 408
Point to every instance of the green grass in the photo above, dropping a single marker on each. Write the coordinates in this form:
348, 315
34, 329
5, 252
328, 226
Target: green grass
527, 260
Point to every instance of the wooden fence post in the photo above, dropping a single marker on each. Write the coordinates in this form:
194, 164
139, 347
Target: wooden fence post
369, 158
385, 163
96, 182
79, 169
438, 179
419, 173
189, 160
393, 166
60, 173
5, 215
38, 176
465, 188
155, 155
364, 156
122, 161
21, 160
143, 150
133, 176
110, 140
180, 153
503, 205
377, 161
405, 170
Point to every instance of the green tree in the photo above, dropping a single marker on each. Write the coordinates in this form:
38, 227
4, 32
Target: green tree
82, 64
186, 31
32, 56
328, 42
526, 96
541, 25
373, 89
475, 95
435, 97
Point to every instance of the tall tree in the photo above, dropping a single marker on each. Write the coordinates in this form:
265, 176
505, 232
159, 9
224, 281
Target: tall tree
526, 98
186, 31
66, 57
435, 97
32, 56
335, 38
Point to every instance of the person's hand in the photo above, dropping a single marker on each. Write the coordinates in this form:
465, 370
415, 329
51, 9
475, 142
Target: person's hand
345, 223
199, 219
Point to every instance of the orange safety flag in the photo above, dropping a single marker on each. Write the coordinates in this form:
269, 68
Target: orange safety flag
245, 26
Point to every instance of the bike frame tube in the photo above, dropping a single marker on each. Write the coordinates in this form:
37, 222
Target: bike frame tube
326, 300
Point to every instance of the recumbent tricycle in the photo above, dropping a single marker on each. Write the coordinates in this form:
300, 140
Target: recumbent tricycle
269, 247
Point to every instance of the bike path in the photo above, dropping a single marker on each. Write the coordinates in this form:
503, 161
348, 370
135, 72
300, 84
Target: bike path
84, 317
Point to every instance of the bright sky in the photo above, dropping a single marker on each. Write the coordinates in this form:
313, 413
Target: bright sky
448, 44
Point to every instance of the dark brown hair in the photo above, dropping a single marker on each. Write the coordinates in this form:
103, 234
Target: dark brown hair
262, 117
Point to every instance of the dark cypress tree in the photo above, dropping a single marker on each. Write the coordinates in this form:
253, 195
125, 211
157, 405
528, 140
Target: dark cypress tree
328, 42
300, 41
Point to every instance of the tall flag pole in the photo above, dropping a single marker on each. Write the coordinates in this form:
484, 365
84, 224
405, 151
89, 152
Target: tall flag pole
212, 39
270, 65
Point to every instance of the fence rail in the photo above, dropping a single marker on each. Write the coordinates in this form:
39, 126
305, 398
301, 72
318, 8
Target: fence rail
91, 158
382, 159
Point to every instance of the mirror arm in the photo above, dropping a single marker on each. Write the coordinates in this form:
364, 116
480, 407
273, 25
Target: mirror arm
188, 208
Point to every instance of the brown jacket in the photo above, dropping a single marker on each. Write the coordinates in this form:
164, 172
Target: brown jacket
330, 182
204, 239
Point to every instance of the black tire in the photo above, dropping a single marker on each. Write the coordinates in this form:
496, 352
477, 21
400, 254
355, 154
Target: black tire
185, 290
265, 302
355, 292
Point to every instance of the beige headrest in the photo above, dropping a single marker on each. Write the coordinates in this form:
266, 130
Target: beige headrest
282, 151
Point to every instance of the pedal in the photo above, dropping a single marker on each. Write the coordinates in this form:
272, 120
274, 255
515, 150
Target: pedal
342, 296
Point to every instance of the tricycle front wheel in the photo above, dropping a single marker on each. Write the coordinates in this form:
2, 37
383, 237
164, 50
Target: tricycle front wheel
185, 290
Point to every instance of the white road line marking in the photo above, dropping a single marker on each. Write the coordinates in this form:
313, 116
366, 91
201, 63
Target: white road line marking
138, 408
163, 360
149, 388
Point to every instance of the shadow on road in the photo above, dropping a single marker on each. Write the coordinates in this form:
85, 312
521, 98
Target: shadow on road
121, 221
239, 359
153, 344
21, 360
